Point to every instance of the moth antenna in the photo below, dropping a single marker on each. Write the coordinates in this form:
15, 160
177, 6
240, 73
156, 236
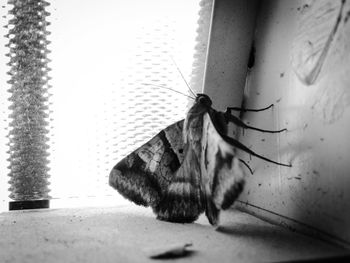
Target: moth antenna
247, 165
163, 87
182, 76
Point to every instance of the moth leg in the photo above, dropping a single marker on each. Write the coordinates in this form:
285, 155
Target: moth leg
241, 146
247, 165
245, 110
231, 118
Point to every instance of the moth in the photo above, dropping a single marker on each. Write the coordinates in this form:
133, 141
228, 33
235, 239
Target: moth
188, 168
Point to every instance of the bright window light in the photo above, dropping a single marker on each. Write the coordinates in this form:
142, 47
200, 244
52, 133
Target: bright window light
108, 59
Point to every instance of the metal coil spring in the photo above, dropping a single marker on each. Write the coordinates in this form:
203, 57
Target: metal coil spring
29, 92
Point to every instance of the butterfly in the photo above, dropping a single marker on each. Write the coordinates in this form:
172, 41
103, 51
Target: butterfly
188, 168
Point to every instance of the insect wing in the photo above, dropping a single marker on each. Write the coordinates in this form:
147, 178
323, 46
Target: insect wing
144, 175
222, 177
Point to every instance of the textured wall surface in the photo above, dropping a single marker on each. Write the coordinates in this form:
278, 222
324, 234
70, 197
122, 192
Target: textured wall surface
302, 66
128, 233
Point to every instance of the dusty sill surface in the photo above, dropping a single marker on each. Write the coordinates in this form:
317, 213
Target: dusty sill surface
125, 233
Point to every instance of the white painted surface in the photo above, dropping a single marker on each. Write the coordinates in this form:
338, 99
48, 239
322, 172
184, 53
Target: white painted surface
231, 34
313, 195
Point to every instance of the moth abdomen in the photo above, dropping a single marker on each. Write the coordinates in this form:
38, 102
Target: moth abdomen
183, 201
181, 207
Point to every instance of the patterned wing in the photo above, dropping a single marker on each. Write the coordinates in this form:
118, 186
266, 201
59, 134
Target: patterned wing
144, 176
183, 200
222, 177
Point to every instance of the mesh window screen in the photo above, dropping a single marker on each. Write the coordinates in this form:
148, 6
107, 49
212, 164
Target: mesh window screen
108, 59
4, 104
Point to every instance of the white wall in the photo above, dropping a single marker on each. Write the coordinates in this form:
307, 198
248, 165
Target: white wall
232, 31
303, 67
